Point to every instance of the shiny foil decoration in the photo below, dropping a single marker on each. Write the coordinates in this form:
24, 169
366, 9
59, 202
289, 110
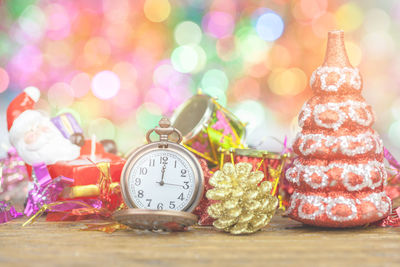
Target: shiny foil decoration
393, 220
201, 210
99, 208
14, 181
45, 190
339, 176
244, 205
392, 189
8, 212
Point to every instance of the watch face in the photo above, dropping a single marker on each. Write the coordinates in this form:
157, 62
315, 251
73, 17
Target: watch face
162, 180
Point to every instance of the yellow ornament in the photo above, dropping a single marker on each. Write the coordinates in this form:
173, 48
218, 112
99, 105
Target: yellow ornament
244, 205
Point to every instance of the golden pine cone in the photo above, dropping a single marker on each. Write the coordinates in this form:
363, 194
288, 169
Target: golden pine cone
245, 206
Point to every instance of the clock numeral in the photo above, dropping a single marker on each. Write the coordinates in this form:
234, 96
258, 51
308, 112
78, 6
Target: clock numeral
148, 202
175, 164
183, 173
172, 204
186, 186
143, 170
163, 160
140, 193
152, 162
160, 206
138, 181
180, 196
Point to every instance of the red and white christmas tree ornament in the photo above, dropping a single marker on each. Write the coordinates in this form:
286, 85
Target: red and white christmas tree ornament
339, 176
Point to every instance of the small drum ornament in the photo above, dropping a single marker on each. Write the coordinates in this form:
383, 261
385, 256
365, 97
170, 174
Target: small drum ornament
206, 127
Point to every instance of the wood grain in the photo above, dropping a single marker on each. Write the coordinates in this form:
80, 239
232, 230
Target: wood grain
283, 243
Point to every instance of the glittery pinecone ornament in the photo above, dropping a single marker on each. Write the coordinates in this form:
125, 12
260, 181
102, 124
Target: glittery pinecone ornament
339, 176
244, 205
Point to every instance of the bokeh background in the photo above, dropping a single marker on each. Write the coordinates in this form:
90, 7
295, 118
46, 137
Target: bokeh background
119, 65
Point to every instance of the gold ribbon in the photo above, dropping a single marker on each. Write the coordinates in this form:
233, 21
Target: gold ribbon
46, 207
86, 190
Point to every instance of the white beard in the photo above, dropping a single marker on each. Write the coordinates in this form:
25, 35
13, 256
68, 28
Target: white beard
49, 147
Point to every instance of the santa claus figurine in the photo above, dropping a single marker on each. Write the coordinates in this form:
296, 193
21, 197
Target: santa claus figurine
34, 136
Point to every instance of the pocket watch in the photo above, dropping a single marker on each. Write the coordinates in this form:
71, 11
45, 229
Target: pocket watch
161, 183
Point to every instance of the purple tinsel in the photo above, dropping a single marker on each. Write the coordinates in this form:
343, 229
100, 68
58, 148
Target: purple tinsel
7, 212
45, 189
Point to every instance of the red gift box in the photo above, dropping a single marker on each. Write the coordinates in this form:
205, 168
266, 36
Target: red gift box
82, 171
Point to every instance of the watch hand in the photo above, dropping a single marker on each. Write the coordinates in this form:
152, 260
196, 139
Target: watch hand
162, 175
171, 184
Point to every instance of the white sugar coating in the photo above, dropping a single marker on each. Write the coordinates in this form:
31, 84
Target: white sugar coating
303, 173
343, 144
323, 72
324, 206
340, 109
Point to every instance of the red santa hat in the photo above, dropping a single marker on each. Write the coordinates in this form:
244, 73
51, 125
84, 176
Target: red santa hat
23, 102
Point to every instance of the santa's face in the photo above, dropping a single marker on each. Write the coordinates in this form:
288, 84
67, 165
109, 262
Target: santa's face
35, 137
38, 140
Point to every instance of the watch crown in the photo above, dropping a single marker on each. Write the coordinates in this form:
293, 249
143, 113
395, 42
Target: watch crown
164, 123
164, 130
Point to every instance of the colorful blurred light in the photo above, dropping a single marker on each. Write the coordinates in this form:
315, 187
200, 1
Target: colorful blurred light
58, 53
349, 17
127, 99
313, 9
97, 51
394, 133
102, 128
60, 95
105, 84
247, 88
80, 84
148, 115
287, 81
163, 73
157, 10
184, 58
127, 74
246, 111
251, 46
147, 57
33, 22
377, 19
218, 24
4, 80
214, 79
226, 48
28, 53
378, 45
269, 26
160, 98
354, 52
59, 24
187, 32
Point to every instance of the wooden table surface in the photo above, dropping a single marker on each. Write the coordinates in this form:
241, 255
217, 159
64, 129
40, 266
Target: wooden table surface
284, 243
